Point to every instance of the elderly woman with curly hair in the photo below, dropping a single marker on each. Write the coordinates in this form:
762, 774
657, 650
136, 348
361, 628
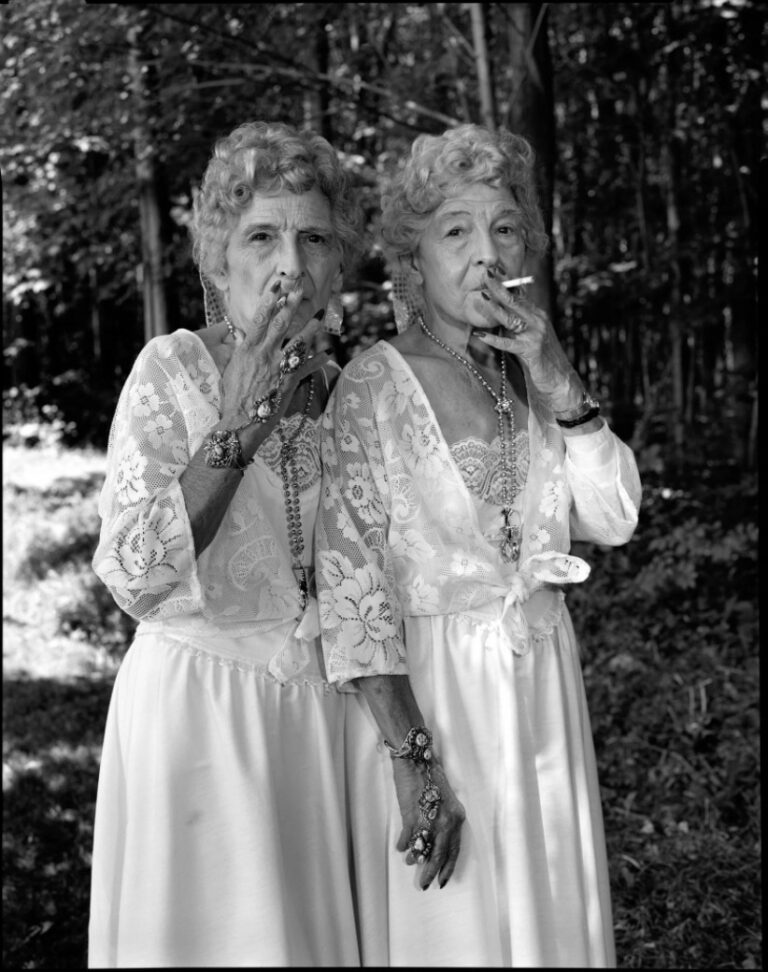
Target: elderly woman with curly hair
461, 457
220, 832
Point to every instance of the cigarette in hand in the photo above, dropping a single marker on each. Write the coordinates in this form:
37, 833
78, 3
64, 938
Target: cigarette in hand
516, 282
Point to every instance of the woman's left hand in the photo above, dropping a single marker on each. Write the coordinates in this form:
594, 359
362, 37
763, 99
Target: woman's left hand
528, 333
446, 828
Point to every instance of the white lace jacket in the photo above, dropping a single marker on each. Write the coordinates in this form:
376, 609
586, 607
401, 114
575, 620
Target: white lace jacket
400, 534
146, 553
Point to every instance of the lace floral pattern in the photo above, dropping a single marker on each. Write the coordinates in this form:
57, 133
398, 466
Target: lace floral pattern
304, 437
146, 554
480, 466
400, 531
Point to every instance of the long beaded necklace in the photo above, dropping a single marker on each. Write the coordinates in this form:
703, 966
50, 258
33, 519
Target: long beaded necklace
509, 537
289, 475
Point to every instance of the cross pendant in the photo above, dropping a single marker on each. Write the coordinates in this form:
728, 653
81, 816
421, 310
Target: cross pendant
303, 587
509, 544
509, 547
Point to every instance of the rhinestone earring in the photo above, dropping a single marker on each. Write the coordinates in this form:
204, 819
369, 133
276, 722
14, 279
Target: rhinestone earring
405, 301
334, 315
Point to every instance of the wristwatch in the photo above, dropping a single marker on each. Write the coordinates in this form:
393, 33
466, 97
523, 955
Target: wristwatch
589, 409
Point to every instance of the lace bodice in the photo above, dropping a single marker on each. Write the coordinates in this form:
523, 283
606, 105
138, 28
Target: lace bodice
479, 463
399, 531
304, 439
146, 552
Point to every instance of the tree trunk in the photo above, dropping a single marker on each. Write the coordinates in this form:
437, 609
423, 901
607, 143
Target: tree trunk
740, 406
531, 114
152, 276
487, 111
95, 316
316, 99
677, 416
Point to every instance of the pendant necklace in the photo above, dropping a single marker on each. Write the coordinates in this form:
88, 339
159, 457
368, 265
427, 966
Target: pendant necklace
290, 477
509, 537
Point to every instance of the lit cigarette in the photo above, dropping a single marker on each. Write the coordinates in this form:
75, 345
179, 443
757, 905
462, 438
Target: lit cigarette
516, 282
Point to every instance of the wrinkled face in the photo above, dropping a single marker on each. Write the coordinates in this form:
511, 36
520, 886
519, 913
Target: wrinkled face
286, 237
477, 226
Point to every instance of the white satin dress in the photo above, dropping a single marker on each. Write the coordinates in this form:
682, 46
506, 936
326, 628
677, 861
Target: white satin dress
410, 581
221, 831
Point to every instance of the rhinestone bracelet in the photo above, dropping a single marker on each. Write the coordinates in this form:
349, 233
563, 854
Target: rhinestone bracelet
222, 450
417, 746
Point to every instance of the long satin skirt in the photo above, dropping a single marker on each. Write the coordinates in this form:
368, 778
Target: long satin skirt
220, 832
531, 883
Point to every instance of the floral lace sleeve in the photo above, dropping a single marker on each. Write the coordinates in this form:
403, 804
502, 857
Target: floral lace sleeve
605, 487
146, 554
360, 613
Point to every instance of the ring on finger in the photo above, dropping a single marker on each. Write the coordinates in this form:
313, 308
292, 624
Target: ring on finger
421, 844
293, 358
516, 323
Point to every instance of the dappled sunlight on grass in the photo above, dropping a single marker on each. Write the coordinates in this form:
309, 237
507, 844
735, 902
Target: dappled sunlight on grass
62, 641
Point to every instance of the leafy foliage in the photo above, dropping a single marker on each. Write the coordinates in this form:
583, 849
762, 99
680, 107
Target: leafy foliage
668, 625
657, 143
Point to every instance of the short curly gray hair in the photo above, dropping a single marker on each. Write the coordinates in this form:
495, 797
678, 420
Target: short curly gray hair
462, 155
266, 157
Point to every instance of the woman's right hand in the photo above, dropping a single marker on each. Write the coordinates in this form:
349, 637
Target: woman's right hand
253, 369
446, 827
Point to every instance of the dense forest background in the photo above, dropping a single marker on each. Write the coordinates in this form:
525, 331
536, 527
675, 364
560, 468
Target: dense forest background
648, 121
646, 118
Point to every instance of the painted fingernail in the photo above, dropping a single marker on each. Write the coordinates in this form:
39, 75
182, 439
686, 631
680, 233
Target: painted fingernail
484, 295
275, 287
320, 314
491, 271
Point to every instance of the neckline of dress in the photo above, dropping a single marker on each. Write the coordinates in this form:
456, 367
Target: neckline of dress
479, 440
412, 375
441, 440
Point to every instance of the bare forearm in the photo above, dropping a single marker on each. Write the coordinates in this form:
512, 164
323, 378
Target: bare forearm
392, 704
208, 491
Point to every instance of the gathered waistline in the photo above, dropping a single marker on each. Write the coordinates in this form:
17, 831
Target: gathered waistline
521, 625
261, 651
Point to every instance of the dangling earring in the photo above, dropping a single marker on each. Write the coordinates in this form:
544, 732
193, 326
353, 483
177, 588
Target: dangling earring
334, 315
404, 300
213, 303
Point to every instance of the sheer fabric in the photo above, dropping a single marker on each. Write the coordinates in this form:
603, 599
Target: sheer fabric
146, 553
220, 836
410, 580
399, 534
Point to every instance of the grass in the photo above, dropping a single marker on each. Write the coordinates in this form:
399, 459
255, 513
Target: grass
62, 640
668, 626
